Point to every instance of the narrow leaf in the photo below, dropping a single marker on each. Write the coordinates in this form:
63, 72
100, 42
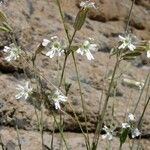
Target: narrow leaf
123, 135
2, 17
80, 19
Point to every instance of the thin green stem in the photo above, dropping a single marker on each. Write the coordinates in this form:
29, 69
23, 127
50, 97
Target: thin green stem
1, 143
120, 147
18, 138
52, 140
82, 100
129, 16
66, 57
139, 123
95, 142
63, 70
69, 40
147, 91
63, 20
61, 133
76, 117
141, 93
41, 127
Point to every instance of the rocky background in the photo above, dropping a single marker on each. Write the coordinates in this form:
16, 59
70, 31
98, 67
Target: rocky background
33, 20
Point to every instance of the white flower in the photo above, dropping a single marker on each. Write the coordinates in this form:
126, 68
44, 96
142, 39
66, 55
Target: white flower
135, 132
126, 42
108, 135
148, 54
125, 125
87, 4
13, 52
85, 49
24, 90
57, 98
53, 46
131, 117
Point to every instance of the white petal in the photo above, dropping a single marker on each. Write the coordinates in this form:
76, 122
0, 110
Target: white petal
148, 54
135, 132
131, 117
57, 105
50, 54
26, 95
80, 51
131, 47
45, 42
121, 38
89, 55
18, 96
82, 4
104, 136
54, 37
93, 47
125, 125
62, 98
6, 49
122, 46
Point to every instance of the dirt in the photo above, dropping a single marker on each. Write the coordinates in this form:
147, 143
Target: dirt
33, 20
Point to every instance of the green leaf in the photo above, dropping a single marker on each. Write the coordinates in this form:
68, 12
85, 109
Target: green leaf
80, 19
132, 54
2, 17
123, 135
4, 29
6, 25
3, 22
129, 58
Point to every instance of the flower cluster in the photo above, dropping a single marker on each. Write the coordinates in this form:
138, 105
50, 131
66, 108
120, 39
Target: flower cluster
130, 125
57, 98
86, 47
24, 90
126, 42
53, 46
13, 52
87, 4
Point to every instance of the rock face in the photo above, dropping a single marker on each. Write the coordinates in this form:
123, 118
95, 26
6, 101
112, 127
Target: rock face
31, 140
118, 12
34, 20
